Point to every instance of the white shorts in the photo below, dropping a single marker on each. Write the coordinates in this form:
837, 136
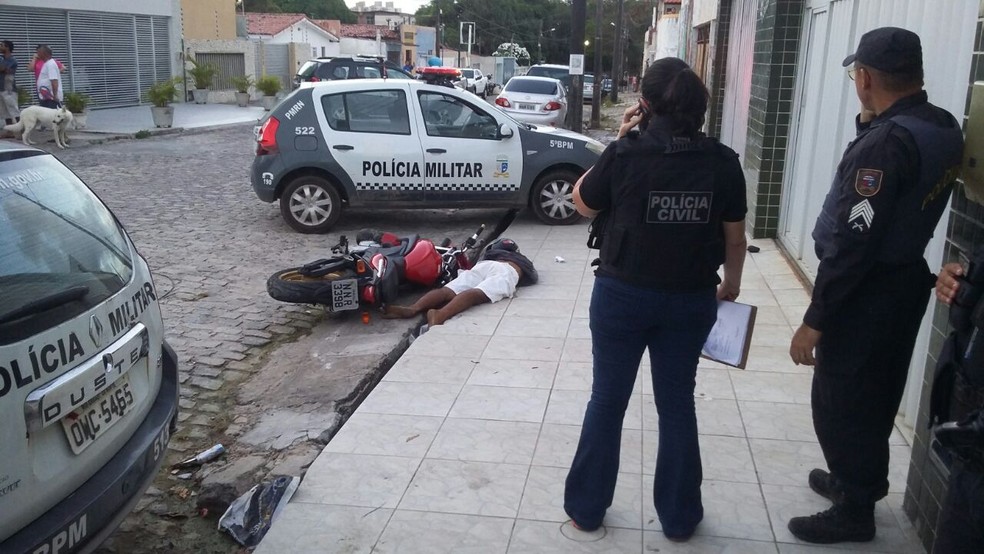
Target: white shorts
497, 280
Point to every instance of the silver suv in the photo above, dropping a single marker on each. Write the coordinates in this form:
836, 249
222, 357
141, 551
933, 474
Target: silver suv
88, 386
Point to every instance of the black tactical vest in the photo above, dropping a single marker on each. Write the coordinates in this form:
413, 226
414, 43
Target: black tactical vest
664, 227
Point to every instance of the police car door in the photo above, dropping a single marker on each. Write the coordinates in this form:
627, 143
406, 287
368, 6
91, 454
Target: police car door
464, 160
373, 137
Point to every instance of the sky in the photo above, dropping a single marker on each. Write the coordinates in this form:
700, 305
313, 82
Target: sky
406, 6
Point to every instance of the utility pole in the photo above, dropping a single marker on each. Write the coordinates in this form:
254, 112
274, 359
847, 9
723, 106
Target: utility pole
617, 57
575, 98
596, 93
438, 34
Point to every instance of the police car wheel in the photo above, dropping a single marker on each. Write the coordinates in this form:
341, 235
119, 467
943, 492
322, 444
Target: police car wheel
552, 198
310, 204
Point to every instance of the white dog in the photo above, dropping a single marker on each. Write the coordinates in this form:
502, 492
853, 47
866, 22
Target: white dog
57, 119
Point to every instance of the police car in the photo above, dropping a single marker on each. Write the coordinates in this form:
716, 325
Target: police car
88, 386
388, 143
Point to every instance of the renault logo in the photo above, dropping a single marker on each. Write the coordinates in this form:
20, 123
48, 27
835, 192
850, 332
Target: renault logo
96, 331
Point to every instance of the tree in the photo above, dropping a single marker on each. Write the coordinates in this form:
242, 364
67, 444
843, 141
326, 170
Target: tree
315, 9
511, 49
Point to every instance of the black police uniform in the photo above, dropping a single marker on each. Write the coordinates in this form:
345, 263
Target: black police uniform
665, 206
873, 285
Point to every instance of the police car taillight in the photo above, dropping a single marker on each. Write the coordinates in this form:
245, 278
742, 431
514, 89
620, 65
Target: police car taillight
552, 106
267, 142
502, 102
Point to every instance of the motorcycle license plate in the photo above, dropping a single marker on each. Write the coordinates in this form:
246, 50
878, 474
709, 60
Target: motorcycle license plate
86, 424
344, 295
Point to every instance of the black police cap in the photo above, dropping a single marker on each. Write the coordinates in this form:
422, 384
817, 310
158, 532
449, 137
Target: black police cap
889, 49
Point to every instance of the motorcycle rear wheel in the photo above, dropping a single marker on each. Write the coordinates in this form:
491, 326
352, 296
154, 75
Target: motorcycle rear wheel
289, 285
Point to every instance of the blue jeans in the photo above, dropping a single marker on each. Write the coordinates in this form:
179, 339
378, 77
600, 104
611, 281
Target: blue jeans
625, 320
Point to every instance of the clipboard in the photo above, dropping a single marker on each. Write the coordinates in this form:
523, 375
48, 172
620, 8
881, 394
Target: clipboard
731, 336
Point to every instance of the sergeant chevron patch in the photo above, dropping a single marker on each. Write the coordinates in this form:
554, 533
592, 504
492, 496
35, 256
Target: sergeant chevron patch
861, 216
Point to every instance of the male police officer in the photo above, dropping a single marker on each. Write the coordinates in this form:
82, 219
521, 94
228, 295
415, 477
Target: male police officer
873, 284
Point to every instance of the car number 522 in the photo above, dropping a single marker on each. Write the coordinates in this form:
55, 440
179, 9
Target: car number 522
304, 130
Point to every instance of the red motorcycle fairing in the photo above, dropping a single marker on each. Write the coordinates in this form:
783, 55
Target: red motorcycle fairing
423, 264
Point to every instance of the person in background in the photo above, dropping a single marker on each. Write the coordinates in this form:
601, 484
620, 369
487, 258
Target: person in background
49, 85
9, 109
673, 205
873, 284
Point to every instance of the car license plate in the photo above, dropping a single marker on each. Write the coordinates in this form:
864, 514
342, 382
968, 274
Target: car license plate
344, 295
527, 106
86, 424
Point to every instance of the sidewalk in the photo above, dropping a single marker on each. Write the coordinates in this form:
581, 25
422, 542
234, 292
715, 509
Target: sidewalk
465, 444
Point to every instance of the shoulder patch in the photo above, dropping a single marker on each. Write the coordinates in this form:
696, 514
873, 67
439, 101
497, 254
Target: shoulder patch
868, 182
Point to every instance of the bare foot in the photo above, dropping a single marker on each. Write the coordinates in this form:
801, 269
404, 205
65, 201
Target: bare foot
398, 312
434, 318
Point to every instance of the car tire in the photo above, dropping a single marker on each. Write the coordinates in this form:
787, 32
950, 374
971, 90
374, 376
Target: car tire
552, 198
310, 204
289, 285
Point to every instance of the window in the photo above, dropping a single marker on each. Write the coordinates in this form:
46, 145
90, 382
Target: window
314, 52
447, 116
322, 51
372, 111
531, 86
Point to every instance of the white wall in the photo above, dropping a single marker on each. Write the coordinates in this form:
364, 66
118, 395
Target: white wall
667, 38
143, 7
704, 11
307, 32
361, 47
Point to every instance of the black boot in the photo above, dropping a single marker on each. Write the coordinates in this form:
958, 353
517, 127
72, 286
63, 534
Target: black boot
825, 484
841, 522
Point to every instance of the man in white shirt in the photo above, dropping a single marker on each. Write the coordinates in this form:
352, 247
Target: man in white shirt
49, 80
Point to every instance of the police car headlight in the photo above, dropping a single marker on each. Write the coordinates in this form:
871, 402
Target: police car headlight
595, 146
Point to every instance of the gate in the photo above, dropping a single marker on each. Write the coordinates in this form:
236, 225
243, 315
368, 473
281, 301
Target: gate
274, 59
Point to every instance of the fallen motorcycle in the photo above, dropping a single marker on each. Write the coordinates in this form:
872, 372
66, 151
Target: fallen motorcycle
370, 273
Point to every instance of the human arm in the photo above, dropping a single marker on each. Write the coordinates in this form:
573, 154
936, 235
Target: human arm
592, 192
734, 259
947, 283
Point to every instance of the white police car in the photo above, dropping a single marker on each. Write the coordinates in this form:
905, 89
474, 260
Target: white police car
389, 143
88, 386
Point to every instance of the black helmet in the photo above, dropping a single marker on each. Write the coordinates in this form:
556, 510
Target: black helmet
503, 244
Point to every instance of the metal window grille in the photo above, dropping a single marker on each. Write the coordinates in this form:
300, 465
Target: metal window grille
231, 64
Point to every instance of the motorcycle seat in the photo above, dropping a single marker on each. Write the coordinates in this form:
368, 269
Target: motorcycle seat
400, 250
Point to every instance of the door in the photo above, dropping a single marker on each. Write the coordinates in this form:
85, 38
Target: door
464, 160
738, 80
371, 136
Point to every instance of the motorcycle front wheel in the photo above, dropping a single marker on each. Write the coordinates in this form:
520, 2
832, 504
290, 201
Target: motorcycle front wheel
290, 285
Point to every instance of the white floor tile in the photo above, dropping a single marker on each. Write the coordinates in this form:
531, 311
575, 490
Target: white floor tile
538, 327
550, 537
482, 440
731, 510
532, 307
501, 403
414, 532
476, 488
543, 498
771, 420
782, 462
654, 541
431, 369
324, 528
433, 399
357, 480
525, 348
766, 386
529, 374
386, 435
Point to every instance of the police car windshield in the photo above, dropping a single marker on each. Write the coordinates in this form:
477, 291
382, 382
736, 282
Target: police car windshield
55, 235
531, 86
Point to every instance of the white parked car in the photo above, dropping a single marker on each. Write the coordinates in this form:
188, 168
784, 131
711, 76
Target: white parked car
536, 100
473, 80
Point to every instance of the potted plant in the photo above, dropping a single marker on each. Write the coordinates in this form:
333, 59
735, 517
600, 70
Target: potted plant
161, 94
77, 102
269, 85
202, 74
243, 85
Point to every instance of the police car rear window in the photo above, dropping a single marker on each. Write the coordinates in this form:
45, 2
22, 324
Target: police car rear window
61, 250
369, 111
531, 86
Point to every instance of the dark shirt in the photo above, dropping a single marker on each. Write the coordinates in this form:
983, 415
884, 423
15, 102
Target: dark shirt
877, 168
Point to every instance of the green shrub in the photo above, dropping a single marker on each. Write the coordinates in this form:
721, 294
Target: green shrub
163, 93
202, 73
142, 134
76, 102
269, 85
243, 83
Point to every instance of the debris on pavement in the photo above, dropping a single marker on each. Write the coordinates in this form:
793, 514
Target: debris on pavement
201, 458
250, 516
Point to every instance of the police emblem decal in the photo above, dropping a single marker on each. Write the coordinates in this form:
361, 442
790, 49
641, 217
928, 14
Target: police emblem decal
861, 216
501, 167
868, 182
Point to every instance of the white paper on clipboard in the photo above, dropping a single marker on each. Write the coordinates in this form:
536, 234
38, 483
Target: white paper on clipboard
731, 336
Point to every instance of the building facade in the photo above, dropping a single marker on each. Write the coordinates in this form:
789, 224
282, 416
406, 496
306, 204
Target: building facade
113, 50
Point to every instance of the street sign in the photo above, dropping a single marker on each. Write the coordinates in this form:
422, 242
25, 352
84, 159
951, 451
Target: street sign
577, 64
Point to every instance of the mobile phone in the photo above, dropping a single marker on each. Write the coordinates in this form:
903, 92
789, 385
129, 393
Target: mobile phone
645, 113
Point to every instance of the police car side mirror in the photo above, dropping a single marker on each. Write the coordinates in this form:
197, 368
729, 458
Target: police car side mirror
505, 131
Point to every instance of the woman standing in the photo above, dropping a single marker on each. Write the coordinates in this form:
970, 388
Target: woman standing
674, 206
